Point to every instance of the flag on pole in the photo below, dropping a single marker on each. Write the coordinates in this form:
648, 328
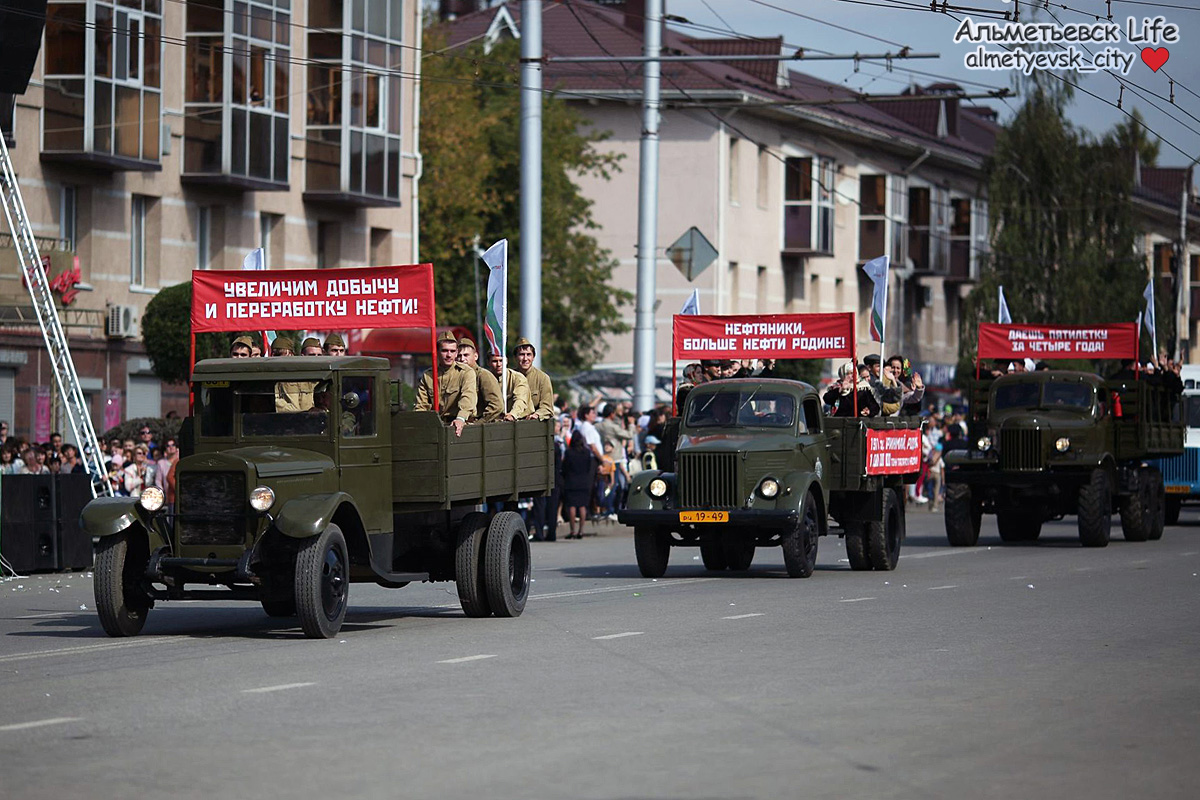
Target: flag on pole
255, 259
495, 322
877, 270
1148, 317
692, 306
1005, 317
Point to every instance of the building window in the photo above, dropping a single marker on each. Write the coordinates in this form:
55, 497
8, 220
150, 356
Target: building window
108, 104
353, 113
1195, 268
735, 288
808, 205
960, 237
381, 247
137, 242
760, 289
764, 176
734, 172
872, 216
203, 236
268, 226
8, 110
793, 282
1163, 256
237, 98
68, 216
327, 244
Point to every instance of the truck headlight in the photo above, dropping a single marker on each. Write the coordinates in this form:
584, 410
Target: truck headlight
262, 498
984, 443
658, 488
1062, 445
768, 488
152, 498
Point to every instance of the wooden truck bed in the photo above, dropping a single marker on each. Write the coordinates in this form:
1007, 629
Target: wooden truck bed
848, 452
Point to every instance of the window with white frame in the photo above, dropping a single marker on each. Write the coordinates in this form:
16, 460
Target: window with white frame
980, 234
68, 216
872, 216
808, 204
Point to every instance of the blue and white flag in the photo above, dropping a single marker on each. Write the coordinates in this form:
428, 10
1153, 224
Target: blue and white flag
692, 306
495, 323
255, 259
1148, 317
1005, 317
877, 270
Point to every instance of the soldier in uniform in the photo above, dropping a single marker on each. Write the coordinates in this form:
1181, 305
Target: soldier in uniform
282, 346
491, 401
516, 389
241, 347
311, 347
457, 397
541, 392
334, 345
290, 396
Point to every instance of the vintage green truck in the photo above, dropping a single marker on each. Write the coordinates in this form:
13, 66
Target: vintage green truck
1045, 444
759, 464
288, 508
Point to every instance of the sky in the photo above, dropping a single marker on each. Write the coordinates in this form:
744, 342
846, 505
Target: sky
858, 26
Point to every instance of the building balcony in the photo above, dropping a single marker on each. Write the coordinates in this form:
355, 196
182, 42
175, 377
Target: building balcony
235, 148
366, 175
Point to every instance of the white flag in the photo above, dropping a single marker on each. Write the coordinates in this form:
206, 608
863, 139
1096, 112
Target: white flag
255, 259
495, 322
877, 270
1005, 317
692, 306
1148, 317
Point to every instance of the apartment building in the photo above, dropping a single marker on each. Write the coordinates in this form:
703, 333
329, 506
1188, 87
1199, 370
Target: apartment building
159, 137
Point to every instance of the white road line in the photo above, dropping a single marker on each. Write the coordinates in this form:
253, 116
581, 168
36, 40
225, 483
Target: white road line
50, 614
856, 599
41, 723
948, 586
1141, 561
85, 649
743, 616
1019, 578
278, 688
623, 588
618, 635
464, 659
957, 551
1189, 553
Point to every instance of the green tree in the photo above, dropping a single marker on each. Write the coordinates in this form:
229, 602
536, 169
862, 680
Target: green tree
470, 142
166, 328
1131, 137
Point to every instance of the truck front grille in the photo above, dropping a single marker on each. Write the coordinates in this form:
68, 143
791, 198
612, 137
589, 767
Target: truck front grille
708, 480
1021, 450
212, 508
1182, 470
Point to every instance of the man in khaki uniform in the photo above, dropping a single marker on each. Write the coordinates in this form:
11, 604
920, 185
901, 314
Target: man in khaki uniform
311, 347
491, 401
335, 345
457, 396
541, 392
290, 396
517, 389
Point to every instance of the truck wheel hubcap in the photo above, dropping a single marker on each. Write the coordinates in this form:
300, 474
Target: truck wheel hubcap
333, 583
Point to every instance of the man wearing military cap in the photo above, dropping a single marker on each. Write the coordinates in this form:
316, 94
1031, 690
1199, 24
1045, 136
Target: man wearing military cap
541, 392
282, 346
491, 401
311, 347
516, 389
241, 347
290, 396
457, 396
335, 345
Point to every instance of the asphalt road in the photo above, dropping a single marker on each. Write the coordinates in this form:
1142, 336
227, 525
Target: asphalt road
1034, 671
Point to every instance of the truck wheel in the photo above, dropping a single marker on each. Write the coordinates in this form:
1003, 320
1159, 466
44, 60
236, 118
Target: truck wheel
800, 542
1158, 498
885, 537
653, 550
322, 583
1171, 510
712, 553
1019, 526
468, 565
507, 564
1095, 510
963, 516
739, 554
856, 546
120, 601
1136, 509
285, 607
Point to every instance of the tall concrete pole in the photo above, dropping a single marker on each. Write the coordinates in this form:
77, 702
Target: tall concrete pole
531, 174
643, 327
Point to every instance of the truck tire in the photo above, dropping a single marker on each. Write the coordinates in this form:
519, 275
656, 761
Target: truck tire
739, 554
963, 516
279, 607
1171, 510
468, 565
1019, 526
856, 546
507, 564
1136, 509
120, 601
322, 583
800, 541
653, 550
885, 537
712, 553
1095, 510
1158, 512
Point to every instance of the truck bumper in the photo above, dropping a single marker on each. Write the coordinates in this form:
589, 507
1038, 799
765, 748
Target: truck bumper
763, 518
1018, 480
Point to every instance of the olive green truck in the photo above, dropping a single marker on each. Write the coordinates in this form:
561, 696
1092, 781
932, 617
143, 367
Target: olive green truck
288, 508
758, 464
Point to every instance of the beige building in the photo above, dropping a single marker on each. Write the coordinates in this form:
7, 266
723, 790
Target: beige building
158, 137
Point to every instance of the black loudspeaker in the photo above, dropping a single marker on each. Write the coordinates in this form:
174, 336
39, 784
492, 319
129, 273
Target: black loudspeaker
21, 23
71, 493
28, 524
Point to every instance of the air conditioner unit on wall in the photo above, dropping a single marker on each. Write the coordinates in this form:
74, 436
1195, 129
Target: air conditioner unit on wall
122, 322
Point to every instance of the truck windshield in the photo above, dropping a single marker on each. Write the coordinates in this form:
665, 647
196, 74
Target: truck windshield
752, 407
1051, 394
267, 408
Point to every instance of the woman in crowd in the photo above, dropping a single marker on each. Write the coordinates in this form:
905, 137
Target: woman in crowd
9, 463
138, 472
840, 396
35, 462
577, 484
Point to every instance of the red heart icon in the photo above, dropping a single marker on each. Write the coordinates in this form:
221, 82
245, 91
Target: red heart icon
1155, 57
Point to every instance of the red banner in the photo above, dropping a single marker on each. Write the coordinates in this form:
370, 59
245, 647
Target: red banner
313, 299
764, 336
893, 452
1117, 340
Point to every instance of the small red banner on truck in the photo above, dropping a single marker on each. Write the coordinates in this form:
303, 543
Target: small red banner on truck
894, 452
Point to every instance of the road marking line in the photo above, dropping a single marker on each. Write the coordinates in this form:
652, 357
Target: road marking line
41, 723
85, 649
743, 616
1141, 561
857, 599
1189, 553
618, 635
1019, 578
50, 614
623, 588
948, 586
279, 688
957, 551
464, 659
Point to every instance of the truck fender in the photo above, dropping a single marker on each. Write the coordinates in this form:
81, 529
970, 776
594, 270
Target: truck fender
108, 516
639, 498
797, 484
307, 516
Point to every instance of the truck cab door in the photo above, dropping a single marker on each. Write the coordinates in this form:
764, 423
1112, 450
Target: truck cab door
364, 444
